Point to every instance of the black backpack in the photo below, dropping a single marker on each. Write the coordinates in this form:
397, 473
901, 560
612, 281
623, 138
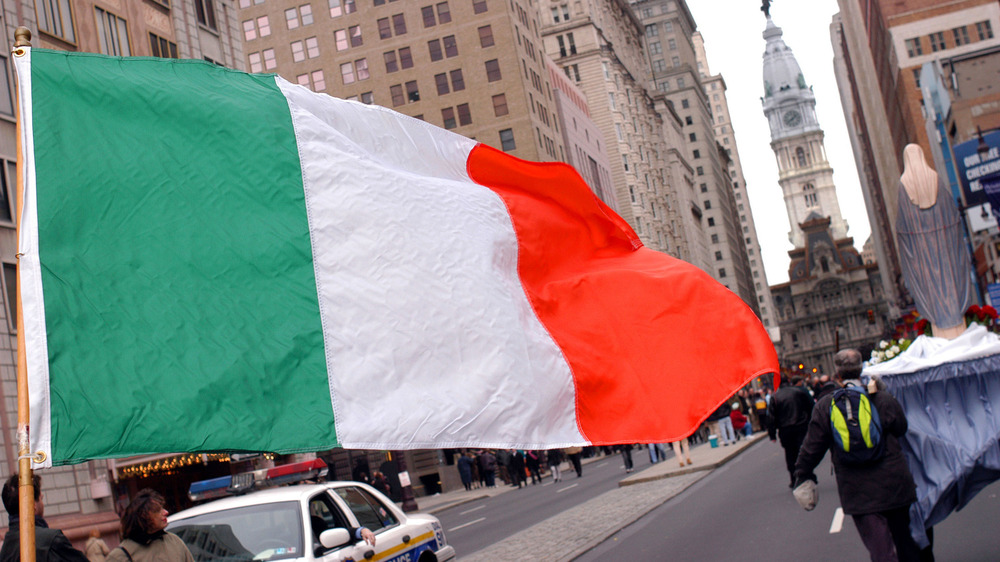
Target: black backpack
856, 426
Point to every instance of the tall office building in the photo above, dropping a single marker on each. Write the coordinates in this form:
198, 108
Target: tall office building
715, 89
669, 29
477, 67
599, 45
82, 497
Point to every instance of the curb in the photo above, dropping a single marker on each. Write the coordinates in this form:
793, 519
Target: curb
632, 480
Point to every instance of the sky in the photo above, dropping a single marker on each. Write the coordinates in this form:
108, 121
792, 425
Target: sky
735, 47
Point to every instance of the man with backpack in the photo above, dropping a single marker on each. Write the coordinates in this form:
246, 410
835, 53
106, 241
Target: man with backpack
862, 431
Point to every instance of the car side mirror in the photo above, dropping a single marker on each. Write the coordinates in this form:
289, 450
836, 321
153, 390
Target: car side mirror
332, 538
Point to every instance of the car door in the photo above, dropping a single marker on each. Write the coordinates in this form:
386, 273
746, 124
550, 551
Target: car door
372, 513
324, 513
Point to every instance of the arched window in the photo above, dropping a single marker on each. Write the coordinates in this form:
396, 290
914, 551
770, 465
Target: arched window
800, 155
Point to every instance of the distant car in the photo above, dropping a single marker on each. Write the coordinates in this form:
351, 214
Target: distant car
309, 522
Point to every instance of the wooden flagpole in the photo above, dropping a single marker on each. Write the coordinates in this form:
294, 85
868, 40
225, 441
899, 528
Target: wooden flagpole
26, 488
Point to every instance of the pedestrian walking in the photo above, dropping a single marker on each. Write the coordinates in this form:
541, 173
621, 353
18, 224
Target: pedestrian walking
656, 452
788, 416
682, 452
575, 455
96, 549
626, 451
145, 538
517, 468
877, 493
534, 464
464, 464
554, 458
723, 425
50, 544
488, 466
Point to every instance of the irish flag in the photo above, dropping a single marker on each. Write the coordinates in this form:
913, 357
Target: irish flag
220, 261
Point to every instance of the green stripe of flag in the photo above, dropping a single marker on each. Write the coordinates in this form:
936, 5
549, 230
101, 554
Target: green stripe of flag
181, 239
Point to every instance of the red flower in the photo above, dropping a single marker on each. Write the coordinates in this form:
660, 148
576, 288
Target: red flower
922, 325
989, 311
973, 310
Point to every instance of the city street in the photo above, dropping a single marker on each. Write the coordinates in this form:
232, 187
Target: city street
740, 508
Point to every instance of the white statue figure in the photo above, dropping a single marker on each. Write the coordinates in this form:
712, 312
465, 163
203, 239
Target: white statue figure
934, 259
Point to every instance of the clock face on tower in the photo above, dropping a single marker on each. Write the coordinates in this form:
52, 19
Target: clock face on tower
792, 118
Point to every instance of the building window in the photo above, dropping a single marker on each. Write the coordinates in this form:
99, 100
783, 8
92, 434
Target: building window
338, 7
427, 13
937, 41
507, 140
704, 188
405, 58
6, 179
479, 6
340, 41
800, 156
485, 36
715, 239
55, 17
384, 28
312, 47
672, 44
443, 11
434, 47
398, 24
697, 153
390, 61
809, 194
984, 30
457, 80
500, 105
708, 204
916, 76
298, 16
961, 36
355, 34
347, 72
493, 70
318, 82
655, 48
692, 137
448, 116
361, 67
269, 61
298, 52
722, 272
441, 80
711, 221
652, 30
684, 103
412, 92
112, 33
260, 27
160, 47
205, 12
659, 65
10, 284
700, 171
464, 114
396, 93
450, 46
718, 255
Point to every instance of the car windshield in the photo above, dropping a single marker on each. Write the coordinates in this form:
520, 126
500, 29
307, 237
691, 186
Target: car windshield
271, 531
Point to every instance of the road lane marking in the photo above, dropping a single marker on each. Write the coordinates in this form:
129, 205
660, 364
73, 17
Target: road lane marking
838, 521
471, 510
567, 488
463, 525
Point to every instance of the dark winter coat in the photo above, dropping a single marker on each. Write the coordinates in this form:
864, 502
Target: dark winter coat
885, 484
50, 544
791, 406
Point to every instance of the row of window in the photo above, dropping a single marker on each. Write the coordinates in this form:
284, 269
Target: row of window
938, 41
55, 18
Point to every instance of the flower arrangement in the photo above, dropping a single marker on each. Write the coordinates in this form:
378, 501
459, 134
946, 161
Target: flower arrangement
886, 350
985, 315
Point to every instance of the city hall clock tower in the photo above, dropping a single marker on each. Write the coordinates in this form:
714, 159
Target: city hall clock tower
804, 174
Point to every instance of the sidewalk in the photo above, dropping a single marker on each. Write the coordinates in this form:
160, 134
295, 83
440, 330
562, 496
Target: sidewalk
577, 530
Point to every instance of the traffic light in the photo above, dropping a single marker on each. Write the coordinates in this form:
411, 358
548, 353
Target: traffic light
871, 316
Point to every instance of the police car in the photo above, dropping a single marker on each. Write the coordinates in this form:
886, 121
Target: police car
309, 522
